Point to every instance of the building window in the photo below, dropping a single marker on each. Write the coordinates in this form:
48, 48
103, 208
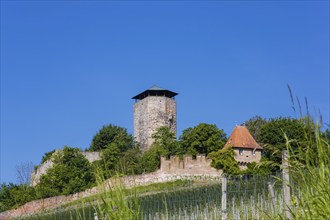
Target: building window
240, 151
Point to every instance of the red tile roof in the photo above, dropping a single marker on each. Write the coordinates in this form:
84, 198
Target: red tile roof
242, 138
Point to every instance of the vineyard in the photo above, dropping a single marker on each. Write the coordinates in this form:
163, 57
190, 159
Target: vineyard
248, 197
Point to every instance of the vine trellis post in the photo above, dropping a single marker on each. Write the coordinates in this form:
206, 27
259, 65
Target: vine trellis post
224, 197
286, 184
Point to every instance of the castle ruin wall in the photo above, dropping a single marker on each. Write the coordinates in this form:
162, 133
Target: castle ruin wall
188, 166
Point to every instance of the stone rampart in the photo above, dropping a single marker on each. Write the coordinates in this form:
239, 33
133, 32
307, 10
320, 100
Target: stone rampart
91, 156
127, 181
188, 166
172, 169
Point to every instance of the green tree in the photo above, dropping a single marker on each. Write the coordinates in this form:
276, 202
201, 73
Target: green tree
224, 160
150, 160
202, 139
254, 125
112, 134
277, 131
109, 163
71, 172
6, 198
165, 139
130, 162
12, 195
22, 194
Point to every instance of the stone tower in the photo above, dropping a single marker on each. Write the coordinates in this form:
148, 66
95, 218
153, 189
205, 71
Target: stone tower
153, 108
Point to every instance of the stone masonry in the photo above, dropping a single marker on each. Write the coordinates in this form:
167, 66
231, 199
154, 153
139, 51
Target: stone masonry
188, 166
41, 205
244, 156
151, 113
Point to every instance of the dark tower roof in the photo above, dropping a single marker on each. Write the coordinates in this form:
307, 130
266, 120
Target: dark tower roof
155, 91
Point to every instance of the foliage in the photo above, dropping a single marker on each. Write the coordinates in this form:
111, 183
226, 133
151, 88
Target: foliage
326, 135
113, 202
111, 134
47, 156
6, 198
12, 195
165, 139
202, 139
130, 162
71, 172
224, 159
150, 160
310, 172
165, 144
254, 125
274, 134
108, 164
262, 168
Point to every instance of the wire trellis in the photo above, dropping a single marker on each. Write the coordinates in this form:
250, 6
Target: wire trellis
248, 197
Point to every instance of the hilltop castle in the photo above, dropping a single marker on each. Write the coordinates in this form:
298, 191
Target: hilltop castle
156, 107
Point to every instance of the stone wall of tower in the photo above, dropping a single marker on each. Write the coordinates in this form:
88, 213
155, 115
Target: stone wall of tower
151, 113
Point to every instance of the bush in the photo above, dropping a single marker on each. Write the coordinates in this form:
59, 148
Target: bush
224, 160
71, 172
150, 160
12, 195
165, 140
131, 161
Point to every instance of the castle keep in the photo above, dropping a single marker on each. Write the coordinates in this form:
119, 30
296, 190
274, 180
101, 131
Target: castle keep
153, 108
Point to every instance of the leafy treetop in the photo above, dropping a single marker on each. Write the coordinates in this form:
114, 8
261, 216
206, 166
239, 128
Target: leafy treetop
165, 140
254, 125
276, 132
71, 172
202, 139
111, 134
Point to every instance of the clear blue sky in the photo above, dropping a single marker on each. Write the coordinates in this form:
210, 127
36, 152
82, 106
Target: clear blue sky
67, 68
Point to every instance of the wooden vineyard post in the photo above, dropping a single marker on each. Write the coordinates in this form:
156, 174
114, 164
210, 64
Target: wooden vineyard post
286, 186
224, 197
272, 194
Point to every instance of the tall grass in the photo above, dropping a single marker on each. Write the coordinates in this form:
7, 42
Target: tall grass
116, 201
310, 172
310, 168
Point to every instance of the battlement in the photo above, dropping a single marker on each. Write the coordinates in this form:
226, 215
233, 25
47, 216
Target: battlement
188, 166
